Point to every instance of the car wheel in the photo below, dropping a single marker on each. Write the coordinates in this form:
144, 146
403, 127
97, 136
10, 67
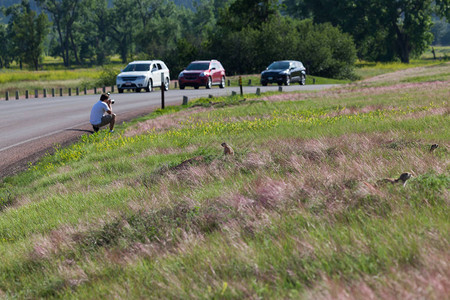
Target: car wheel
209, 83
287, 81
120, 91
280, 83
264, 83
138, 90
196, 87
181, 87
303, 80
222, 83
149, 87
166, 84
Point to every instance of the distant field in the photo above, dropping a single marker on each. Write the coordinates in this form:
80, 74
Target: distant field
56, 76
303, 209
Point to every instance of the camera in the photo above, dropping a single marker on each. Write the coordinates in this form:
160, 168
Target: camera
112, 100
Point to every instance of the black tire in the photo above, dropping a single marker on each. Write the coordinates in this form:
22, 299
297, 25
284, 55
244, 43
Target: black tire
303, 80
280, 83
181, 87
166, 84
209, 83
196, 87
120, 91
149, 87
222, 82
287, 81
264, 83
138, 90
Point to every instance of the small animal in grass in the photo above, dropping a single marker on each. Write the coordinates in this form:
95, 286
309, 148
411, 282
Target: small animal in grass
227, 150
433, 147
403, 178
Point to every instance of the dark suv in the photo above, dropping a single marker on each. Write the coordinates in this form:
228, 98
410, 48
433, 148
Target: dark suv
284, 72
202, 73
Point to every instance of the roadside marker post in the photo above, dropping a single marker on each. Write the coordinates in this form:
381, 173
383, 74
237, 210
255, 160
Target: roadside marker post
185, 100
36, 93
162, 90
240, 85
26, 94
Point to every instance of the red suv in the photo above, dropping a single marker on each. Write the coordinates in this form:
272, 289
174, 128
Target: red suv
202, 73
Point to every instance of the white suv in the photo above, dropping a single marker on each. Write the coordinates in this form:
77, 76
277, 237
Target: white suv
143, 74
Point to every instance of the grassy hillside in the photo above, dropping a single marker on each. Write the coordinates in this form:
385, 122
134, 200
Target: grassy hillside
301, 210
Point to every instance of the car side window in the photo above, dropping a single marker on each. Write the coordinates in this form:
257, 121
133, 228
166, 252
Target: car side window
159, 66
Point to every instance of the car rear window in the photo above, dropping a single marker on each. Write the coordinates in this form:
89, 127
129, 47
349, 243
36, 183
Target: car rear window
279, 65
198, 66
137, 67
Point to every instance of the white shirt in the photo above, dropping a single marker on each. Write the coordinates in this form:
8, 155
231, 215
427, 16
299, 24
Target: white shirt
97, 112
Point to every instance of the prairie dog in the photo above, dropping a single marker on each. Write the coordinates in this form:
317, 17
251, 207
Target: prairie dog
403, 178
227, 150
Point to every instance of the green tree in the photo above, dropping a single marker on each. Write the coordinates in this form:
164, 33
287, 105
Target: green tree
29, 31
382, 29
6, 55
247, 13
64, 14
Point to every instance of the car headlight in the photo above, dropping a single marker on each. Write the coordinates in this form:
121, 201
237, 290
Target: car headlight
140, 77
181, 75
285, 72
119, 79
202, 74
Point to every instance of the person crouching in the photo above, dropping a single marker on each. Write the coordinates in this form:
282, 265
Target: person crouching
101, 114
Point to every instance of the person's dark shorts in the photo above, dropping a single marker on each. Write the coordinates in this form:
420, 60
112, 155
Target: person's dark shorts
106, 119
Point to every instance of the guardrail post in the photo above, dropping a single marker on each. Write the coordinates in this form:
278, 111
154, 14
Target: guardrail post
185, 100
229, 82
258, 91
45, 93
104, 89
53, 92
240, 85
314, 81
249, 82
280, 89
176, 83
17, 95
36, 93
70, 91
7, 96
112, 89
95, 90
162, 91
77, 90
85, 91
26, 94
233, 93
60, 92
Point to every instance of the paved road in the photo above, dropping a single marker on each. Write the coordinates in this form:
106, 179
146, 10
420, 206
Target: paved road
29, 128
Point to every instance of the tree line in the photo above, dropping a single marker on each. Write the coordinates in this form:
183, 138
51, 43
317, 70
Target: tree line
245, 35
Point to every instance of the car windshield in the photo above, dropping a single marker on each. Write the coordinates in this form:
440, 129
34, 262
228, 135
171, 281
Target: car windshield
198, 66
279, 65
137, 67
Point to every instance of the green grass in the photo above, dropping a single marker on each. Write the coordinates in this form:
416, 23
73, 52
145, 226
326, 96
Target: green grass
297, 212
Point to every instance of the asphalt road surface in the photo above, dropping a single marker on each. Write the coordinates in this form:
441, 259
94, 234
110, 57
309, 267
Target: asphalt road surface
30, 128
